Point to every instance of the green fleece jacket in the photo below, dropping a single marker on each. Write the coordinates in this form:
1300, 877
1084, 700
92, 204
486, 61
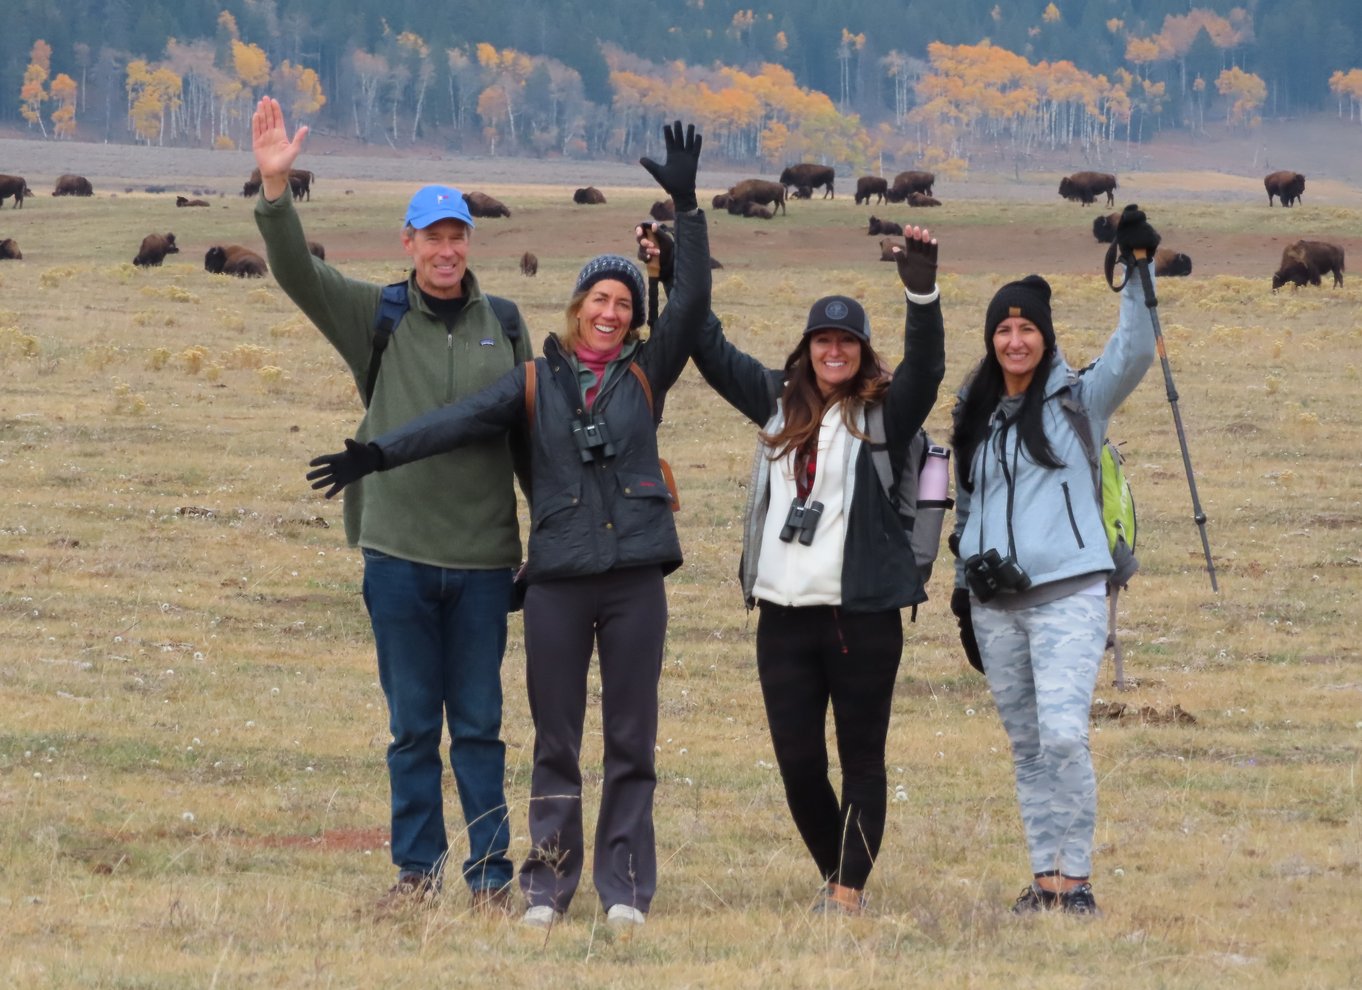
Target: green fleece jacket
454, 510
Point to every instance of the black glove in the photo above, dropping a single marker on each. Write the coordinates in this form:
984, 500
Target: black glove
676, 175
917, 265
666, 244
351, 464
960, 607
1134, 232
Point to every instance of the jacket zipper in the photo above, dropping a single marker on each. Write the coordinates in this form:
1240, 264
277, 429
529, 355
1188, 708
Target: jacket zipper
1073, 523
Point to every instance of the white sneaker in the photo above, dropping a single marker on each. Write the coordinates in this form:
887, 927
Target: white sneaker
541, 916
624, 916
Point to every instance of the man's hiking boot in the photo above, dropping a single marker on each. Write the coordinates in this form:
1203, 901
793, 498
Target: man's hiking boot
411, 890
1079, 900
1034, 898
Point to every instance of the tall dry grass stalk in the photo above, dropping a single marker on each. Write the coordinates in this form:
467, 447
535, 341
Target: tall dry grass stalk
192, 785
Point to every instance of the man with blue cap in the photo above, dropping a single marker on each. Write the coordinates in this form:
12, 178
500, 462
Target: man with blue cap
440, 538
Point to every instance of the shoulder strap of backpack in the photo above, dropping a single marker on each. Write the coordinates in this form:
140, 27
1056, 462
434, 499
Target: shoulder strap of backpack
647, 388
392, 306
505, 311
530, 386
1077, 414
879, 450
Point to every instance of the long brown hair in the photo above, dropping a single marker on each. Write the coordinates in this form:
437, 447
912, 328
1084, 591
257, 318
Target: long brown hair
805, 404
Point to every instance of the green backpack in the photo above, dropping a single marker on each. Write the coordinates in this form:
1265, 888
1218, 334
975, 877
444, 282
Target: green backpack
1116, 502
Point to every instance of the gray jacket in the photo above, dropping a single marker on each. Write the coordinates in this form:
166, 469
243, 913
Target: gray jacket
1056, 512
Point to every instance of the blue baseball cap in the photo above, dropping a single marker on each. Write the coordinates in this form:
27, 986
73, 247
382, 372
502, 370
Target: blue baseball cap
433, 203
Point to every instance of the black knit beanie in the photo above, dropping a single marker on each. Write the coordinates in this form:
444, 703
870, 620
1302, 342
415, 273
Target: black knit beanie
1028, 298
621, 269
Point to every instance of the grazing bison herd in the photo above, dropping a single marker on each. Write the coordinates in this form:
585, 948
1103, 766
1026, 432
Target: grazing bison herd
1304, 262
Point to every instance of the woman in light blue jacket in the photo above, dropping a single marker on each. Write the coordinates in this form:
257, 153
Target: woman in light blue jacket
1033, 558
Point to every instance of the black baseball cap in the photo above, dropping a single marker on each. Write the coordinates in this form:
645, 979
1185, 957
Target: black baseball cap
839, 313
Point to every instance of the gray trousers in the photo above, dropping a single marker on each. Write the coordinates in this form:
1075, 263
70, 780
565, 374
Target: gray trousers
624, 615
1041, 664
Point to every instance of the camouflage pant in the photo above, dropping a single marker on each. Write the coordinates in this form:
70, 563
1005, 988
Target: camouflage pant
1041, 664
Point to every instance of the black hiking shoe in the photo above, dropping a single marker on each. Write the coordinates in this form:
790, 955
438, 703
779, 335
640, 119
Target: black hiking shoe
1035, 899
1079, 901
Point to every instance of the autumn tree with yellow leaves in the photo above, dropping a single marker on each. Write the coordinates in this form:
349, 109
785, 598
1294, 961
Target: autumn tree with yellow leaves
64, 91
1247, 93
1348, 86
33, 93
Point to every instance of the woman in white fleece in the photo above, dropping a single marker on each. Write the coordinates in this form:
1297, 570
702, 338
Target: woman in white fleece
826, 557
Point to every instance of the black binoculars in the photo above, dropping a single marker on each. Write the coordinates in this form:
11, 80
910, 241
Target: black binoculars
988, 573
802, 519
592, 440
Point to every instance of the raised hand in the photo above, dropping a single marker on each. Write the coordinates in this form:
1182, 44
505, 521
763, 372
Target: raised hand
677, 174
274, 152
655, 247
345, 467
1133, 233
916, 260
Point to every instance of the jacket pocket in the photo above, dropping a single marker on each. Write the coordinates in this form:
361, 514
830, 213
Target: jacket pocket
547, 507
1069, 508
641, 496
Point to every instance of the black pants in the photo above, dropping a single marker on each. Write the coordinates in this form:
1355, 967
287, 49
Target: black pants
807, 657
624, 615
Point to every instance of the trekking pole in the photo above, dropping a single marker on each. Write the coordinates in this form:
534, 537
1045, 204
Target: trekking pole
1142, 263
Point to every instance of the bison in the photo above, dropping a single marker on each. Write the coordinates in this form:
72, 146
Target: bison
182, 201
1306, 261
73, 185
1085, 187
9, 250
483, 205
803, 192
1168, 263
906, 183
1104, 227
884, 227
590, 196
756, 211
922, 199
663, 210
299, 181
806, 174
757, 191
154, 249
1286, 186
529, 264
14, 185
871, 185
720, 201
316, 249
887, 245
233, 259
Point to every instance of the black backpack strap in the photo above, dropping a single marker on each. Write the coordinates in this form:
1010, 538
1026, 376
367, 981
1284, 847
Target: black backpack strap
392, 306
506, 312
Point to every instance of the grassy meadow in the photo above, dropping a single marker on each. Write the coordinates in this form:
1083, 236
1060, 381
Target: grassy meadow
192, 784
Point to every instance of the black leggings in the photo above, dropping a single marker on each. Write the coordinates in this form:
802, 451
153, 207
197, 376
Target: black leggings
807, 657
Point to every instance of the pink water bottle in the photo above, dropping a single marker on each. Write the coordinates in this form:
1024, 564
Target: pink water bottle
932, 480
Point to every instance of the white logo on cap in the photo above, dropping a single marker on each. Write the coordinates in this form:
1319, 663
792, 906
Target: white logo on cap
836, 310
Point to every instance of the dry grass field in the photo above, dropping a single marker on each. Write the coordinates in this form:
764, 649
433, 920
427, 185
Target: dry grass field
192, 787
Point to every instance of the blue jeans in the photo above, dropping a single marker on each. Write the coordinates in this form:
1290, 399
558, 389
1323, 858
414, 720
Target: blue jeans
440, 635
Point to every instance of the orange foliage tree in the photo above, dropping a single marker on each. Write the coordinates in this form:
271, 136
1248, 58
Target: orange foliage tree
64, 91
1247, 92
33, 93
1347, 85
